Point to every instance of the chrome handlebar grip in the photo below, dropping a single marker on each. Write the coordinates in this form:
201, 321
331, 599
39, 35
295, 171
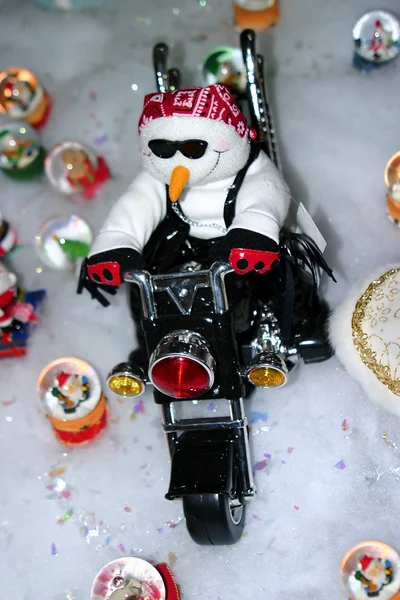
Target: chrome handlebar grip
166, 80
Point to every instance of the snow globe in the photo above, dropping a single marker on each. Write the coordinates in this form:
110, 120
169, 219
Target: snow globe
371, 569
392, 182
8, 237
22, 97
256, 14
376, 38
21, 153
225, 65
76, 407
72, 167
63, 242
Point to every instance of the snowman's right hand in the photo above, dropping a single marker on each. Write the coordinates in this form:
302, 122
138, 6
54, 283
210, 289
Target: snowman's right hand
107, 268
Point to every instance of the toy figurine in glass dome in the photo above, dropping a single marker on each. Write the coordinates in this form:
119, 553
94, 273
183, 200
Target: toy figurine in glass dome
22, 97
376, 38
223, 302
131, 578
74, 168
256, 14
76, 407
8, 237
21, 153
392, 182
225, 65
18, 314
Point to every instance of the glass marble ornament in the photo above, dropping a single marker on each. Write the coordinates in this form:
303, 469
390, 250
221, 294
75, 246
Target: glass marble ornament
22, 97
376, 38
74, 168
256, 14
71, 393
371, 570
21, 153
63, 242
225, 65
392, 182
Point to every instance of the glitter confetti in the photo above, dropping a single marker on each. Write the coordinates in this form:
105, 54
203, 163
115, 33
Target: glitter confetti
93, 95
53, 549
263, 429
259, 466
174, 523
127, 509
283, 462
345, 425
296, 507
172, 558
67, 515
134, 87
121, 547
290, 450
258, 416
101, 139
57, 471
388, 441
340, 465
212, 406
8, 402
256, 518
139, 408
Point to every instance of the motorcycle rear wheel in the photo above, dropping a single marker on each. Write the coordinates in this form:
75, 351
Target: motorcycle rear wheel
214, 519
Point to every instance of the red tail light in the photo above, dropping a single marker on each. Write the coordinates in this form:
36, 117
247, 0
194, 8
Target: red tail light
180, 377
182, 365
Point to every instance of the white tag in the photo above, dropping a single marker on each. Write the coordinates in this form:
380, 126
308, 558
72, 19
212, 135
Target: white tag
305, 224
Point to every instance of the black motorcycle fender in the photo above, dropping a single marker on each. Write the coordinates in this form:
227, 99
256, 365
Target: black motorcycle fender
202, 462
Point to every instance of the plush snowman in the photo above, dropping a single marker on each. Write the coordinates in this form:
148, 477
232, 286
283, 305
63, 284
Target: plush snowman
8, 296
374, 574
199, 161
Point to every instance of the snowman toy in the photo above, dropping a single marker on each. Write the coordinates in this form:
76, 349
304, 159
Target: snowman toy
196, 148
8, 297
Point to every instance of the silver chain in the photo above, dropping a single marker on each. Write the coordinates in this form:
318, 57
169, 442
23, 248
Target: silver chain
192, 223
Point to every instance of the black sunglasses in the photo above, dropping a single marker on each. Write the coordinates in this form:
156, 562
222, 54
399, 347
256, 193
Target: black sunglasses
189, 148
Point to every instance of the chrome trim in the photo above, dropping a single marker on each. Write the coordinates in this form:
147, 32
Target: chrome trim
128, 369
218, 271
144, 280
205, 423
184, 343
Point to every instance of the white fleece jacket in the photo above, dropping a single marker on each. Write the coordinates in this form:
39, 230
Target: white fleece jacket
262, 205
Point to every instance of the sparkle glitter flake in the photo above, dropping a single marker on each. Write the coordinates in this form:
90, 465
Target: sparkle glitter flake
258, 416
172, 558
259, 466
67, 515
139, 408
57, 471
391, 443
340, 465
53, 550
345, 425
290, 450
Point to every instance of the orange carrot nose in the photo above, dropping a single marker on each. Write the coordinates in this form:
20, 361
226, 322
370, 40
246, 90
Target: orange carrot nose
179, 178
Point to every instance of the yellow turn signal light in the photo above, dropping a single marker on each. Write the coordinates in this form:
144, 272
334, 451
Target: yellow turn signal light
126, 379
124, 385
266, 377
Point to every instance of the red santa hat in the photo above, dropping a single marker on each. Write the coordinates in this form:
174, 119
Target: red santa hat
213, 102
378, 24
365, 562
62, 378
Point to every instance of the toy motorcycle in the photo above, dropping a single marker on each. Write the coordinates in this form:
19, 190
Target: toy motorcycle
213, 336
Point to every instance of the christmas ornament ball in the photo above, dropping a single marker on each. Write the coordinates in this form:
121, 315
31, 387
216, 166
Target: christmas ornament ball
376, 36
62, 242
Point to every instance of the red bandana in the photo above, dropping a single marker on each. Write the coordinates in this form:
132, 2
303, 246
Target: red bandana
213, 102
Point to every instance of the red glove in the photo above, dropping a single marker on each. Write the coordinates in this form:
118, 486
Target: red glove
244, 260
108, 267
171, 587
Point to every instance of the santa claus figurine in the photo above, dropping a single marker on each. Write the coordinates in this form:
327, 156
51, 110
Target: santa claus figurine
8, 237
374, 574
8, 297
199, 164
71, 390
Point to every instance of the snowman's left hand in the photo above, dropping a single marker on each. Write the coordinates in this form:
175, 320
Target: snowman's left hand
249, 251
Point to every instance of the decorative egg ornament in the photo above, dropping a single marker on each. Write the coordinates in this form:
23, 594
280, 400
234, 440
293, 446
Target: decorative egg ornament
22, 97
225, 65
21, 153
371, 570
63, 242
76, 407
376, 38
74, 168
392, 182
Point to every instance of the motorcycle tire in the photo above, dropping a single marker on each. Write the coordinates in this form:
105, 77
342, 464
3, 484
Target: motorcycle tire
214, 519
